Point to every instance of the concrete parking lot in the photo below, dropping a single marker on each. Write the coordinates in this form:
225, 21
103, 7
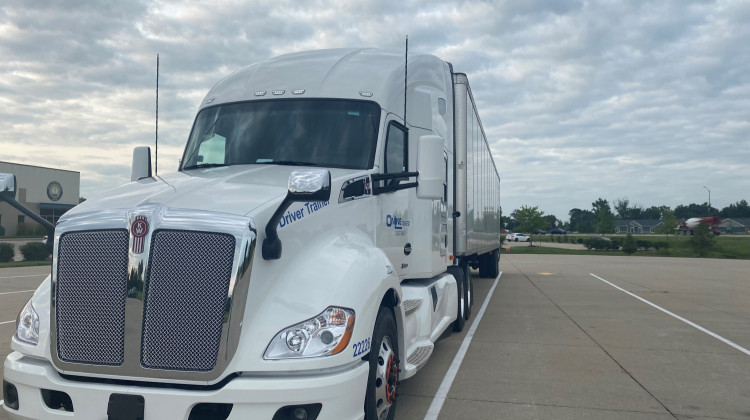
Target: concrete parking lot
558, 340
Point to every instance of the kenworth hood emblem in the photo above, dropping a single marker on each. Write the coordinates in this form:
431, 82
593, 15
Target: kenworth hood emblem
139, 229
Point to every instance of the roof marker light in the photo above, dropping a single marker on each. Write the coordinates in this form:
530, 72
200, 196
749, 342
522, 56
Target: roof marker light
260, 93
278, 92
365, 94
298, 92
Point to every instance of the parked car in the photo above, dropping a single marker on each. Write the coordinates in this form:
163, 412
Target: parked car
601, 243
558, 231
518, 237
540, 232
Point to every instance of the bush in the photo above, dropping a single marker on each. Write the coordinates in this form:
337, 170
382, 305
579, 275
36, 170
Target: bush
34, 251
6, 252
628, 245
702, 240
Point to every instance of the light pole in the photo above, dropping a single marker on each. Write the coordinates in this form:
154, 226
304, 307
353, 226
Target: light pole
709, 197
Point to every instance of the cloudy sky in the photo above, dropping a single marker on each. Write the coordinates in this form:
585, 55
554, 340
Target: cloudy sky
644, 100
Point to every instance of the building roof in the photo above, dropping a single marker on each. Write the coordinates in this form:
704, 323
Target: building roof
744, 221
36, 166
640, 222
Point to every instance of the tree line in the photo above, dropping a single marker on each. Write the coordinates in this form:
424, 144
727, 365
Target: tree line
602, 216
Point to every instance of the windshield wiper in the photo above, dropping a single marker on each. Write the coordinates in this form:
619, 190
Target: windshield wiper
204, 165
291, 163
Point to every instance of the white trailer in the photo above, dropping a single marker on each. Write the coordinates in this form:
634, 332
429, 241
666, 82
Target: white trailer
310, 251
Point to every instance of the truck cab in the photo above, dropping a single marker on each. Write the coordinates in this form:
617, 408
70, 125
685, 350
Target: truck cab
315, 243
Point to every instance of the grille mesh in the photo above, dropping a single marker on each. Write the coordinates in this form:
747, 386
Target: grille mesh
91, 286
185, 299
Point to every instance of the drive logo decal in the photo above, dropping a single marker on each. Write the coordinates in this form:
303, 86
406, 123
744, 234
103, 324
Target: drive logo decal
139, 230
398, 224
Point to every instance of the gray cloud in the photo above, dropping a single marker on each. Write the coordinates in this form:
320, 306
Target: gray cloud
580, 100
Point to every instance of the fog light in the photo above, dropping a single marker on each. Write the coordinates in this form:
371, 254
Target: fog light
10, 395
299, 413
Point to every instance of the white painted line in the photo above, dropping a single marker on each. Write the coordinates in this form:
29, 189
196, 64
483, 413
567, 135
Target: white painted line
445, 386
692, 324
26, 275
6, 322
20, 291
1, 403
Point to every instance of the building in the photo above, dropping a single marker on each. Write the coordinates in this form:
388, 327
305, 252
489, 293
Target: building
47, 191
735, 225
637, 226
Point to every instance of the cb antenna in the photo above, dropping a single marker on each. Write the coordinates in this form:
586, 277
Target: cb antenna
406, 63
156, 154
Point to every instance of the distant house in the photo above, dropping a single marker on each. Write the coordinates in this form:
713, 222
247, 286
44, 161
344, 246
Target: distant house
637, 226
735, 225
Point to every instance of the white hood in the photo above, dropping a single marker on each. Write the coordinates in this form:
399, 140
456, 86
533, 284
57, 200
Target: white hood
237, 190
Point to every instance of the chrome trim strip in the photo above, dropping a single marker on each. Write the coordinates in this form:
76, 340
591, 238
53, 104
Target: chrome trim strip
160, 218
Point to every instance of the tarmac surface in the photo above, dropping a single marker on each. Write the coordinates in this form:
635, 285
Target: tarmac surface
560, 337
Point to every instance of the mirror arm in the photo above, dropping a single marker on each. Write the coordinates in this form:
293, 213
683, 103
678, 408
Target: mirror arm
272, 244
376, 178
37, 218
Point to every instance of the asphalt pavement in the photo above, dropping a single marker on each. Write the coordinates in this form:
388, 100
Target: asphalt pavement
571, 337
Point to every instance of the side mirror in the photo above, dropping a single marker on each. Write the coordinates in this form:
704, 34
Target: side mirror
141, 163
305, 185
310, 185
8, 185
431, 167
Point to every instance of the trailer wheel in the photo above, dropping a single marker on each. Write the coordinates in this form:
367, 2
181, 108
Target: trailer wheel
382, 381
458, 273
489, 264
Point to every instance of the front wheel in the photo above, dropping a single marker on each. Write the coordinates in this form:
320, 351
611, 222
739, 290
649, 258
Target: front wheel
382, 381
458, 273
468, 292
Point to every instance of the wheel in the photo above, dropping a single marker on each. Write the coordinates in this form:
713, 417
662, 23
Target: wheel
488, 264
468, 293
458, 273
528, 239
382, 381
515, 239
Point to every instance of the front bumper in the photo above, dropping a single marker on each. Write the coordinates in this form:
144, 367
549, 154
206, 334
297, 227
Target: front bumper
341, 394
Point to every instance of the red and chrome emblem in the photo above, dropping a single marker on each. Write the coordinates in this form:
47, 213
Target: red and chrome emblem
139, 230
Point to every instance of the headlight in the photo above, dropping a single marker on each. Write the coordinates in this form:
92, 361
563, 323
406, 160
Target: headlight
27, 324
324, 335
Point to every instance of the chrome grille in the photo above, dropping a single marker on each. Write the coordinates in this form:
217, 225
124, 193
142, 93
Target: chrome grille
91, 286
186, 299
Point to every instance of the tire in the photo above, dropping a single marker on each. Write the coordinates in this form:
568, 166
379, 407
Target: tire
468, 293
458, 273
382, 381
488, 264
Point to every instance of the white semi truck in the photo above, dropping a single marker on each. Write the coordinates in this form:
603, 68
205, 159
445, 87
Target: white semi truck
310, 251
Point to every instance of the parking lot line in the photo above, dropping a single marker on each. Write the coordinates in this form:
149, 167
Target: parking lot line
692, 324
20, 291
445, 386
25, 275
6, 322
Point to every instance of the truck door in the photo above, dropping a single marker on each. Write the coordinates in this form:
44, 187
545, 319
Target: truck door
393, 228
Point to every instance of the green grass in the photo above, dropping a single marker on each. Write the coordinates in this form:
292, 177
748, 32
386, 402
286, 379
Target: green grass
24, 264
728, 247
557, 251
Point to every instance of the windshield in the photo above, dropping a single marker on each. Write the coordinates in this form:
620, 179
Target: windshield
319, 132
